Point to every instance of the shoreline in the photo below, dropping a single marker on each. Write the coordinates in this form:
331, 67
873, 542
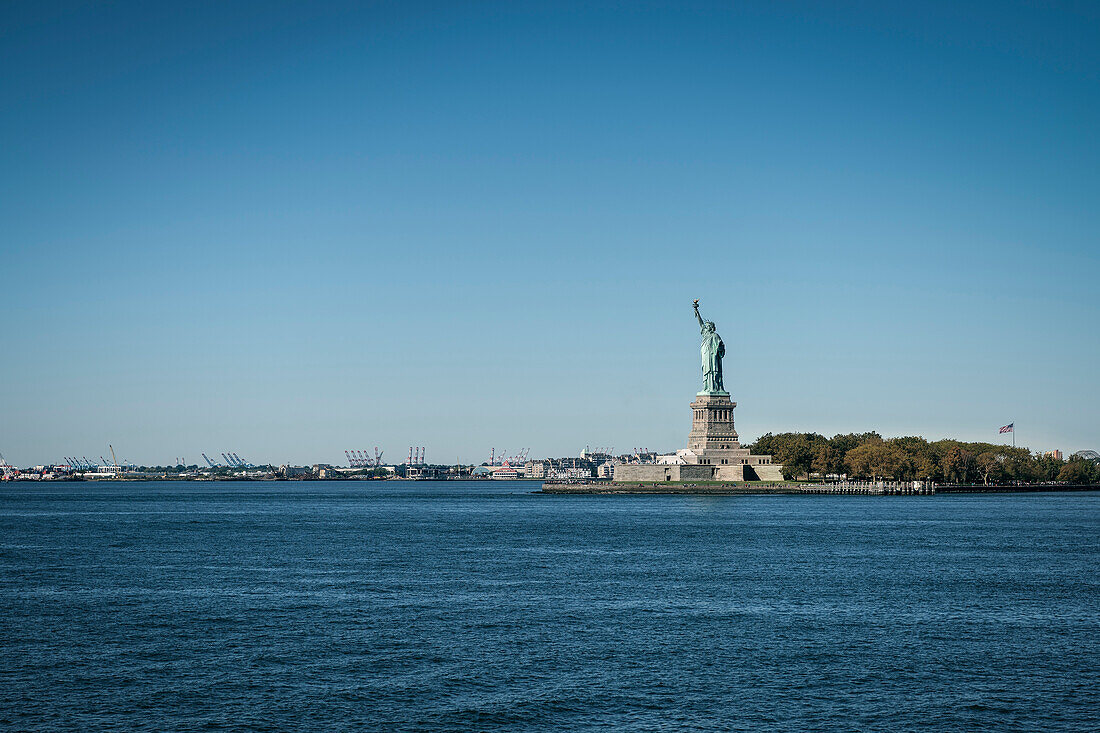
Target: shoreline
732, 489
608, 488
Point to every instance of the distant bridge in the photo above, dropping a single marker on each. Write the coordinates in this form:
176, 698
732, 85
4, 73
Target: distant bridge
1088, 455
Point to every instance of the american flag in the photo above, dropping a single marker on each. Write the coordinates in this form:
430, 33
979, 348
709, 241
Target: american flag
1010, 428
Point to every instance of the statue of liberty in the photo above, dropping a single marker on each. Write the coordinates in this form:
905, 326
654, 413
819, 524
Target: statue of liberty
712, 350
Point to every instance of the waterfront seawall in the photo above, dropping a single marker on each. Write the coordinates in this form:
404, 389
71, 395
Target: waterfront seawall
667, 487
866, 488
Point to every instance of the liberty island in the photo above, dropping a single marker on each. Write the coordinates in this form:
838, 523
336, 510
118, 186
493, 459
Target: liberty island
713, 451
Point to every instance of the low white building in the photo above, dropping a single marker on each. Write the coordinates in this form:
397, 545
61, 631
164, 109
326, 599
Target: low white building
679, 458
569, 472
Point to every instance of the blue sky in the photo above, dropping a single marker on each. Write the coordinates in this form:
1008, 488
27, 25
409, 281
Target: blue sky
287, 230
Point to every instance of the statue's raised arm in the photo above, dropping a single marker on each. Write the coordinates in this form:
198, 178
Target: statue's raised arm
695, 305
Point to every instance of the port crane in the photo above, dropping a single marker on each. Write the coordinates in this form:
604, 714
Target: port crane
362, 459
114, 460
232, 460
501, 457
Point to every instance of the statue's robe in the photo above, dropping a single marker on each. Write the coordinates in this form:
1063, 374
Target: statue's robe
712, 350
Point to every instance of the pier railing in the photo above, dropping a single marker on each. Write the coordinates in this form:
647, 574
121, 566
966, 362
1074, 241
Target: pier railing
872, 488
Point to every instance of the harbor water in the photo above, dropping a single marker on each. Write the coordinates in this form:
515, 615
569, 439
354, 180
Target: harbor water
454, 606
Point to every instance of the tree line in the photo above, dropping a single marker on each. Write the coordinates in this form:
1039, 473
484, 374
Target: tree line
870, 456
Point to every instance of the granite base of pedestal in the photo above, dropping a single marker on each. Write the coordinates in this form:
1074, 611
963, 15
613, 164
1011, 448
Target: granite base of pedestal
713, 451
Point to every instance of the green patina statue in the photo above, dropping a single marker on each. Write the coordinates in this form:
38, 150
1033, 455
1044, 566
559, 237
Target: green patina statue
712, 350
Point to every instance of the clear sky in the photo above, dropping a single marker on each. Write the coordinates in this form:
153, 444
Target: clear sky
289, 229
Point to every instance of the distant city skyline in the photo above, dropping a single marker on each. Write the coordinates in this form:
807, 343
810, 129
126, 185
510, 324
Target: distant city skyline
290, 230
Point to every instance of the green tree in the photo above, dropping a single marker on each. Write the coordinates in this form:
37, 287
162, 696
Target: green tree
957, 464
989, 464
827, 459
1047, 467
1078, 471
874, 460
907, 465
795, 451
926, 469
913, 453
1020, 465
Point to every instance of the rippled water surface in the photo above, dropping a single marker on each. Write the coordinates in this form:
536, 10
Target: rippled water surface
481, 606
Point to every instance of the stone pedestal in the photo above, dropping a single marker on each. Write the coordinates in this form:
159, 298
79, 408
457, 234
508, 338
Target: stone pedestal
713, 438
714, 452
712, 423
